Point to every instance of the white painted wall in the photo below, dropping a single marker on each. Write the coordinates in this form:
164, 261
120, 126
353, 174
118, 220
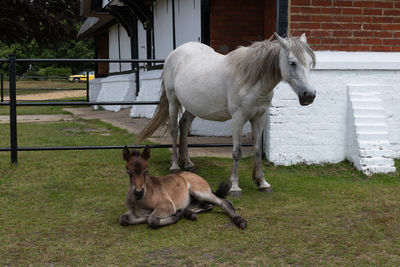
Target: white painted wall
162, 28
187, 21
113, 49
318, 133
142, 41
119, 45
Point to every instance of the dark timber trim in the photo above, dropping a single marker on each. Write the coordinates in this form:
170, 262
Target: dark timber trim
205, 21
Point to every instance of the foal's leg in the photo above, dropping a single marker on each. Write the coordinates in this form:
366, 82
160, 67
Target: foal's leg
128, 218
184, 126
257, 126
224, 204
237, 126
164, 215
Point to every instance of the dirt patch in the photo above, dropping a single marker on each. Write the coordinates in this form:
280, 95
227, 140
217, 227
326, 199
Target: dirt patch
51, 95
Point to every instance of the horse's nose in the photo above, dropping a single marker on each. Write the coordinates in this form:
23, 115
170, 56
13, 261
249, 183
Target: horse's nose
138, 193
307, 97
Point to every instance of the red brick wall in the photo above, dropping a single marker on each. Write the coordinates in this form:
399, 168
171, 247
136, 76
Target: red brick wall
239, 22
347, 25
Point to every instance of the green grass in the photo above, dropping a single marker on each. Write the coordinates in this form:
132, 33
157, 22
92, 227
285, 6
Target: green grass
62, 208
41, 110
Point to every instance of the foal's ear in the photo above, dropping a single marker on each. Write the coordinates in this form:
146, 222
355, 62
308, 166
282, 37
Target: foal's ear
284, 43
146, 153
126, 153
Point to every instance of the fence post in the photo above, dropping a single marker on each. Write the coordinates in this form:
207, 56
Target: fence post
13, 109
2, 88
87, 86
137, 78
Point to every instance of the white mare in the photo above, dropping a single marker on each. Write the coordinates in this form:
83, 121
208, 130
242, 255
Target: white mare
237, 86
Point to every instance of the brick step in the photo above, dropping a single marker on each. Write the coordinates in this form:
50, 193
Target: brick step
373, 152
377, 161
378, 113
372, 136
379, 169
373, 127
359, 102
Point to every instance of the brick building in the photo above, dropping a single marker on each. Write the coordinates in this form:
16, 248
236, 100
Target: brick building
347, 25
356, 114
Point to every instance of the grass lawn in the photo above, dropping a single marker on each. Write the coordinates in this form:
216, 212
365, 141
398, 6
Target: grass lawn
62, 208
40, 110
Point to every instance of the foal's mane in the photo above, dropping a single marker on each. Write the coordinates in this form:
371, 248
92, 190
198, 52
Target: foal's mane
253, 63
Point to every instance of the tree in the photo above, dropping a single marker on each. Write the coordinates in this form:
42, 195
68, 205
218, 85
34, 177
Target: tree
42, 29
46, 21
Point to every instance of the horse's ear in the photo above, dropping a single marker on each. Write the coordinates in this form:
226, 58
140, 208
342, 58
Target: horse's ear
303, 38
284, 43
126, 153
146, 153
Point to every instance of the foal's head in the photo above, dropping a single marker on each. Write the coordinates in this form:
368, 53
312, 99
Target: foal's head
295, 62
137, 169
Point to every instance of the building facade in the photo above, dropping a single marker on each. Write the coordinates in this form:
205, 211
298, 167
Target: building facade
356, 113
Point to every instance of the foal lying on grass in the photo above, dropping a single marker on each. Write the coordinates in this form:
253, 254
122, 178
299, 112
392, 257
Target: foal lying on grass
165, 200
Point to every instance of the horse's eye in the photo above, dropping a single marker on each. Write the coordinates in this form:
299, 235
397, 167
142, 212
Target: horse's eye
292, 63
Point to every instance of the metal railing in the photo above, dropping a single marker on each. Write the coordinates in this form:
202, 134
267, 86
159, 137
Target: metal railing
13, 104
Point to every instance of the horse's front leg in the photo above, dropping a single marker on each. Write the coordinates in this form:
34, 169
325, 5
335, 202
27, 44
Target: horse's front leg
237, 126
257, 126
128, 218
164, 215
184, 126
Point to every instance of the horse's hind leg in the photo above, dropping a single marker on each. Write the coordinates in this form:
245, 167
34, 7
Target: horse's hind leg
184, 126
173, 116
258, 174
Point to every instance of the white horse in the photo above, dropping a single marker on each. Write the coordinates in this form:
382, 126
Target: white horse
237, 86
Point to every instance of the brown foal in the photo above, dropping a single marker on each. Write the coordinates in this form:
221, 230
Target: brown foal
160, 201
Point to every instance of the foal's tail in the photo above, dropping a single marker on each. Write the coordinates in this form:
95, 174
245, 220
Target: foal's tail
223, 189
160, 116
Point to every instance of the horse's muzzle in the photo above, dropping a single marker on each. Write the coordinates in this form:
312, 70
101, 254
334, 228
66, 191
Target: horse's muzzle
138, 194
306, 97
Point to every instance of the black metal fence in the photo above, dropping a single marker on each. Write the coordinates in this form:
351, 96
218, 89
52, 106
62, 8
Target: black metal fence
13, 104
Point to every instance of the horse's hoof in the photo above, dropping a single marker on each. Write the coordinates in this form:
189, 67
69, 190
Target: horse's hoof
266, 190
240, 222
191, 169
235, 193
174, 170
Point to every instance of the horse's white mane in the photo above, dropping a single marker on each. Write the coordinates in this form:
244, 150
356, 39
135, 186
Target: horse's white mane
253, 63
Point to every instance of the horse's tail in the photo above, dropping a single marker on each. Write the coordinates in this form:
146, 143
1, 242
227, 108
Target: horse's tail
160, 116
223, 189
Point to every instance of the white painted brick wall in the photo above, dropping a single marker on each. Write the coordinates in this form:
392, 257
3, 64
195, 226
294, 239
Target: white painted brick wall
318, 133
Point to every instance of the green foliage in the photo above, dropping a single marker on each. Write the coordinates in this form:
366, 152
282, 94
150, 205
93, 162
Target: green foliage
54, 71
67, 49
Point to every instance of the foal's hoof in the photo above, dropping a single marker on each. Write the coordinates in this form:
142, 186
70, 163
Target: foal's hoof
266, 190
240, 222
235, 193
191, 169
174, 170
124, 220
190, 215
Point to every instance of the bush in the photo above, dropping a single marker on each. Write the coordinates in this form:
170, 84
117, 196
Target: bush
54, 71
